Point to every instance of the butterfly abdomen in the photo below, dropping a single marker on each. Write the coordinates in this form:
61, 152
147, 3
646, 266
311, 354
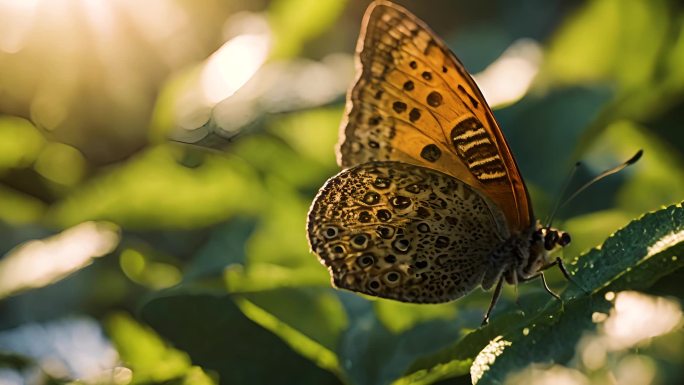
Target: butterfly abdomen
506, 259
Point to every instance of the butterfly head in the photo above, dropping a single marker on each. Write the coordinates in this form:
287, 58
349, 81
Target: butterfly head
543, 242
550, 238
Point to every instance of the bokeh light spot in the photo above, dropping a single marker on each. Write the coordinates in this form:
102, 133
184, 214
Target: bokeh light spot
232, 65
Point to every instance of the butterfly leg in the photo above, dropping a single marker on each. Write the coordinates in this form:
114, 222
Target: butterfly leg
517, 300
495, 298
543, 279
561, 266
547, 288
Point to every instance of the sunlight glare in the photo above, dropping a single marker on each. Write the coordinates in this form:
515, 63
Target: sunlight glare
486, 358
665, 242
282, 86
593, 352
635, 370
38, 263
66, 348
100, 16
637, 317
16, 20
542, 375
158, 21
508, 78
232, 65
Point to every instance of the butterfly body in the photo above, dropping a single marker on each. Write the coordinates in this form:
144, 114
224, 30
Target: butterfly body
430, 204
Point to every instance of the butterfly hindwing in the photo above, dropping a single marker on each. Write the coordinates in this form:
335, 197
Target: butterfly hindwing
414, 102
405, 232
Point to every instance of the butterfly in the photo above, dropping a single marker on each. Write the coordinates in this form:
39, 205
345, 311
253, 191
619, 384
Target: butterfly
430, 204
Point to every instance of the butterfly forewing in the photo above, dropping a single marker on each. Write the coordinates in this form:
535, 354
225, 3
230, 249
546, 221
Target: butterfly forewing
414, 102
404, 232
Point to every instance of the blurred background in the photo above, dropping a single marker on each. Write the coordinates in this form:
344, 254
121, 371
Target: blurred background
157, 161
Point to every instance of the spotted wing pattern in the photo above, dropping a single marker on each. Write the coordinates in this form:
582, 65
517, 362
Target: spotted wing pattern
405, 232
414, 102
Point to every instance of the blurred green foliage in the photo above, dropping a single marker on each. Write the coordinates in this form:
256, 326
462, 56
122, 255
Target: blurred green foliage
212, 280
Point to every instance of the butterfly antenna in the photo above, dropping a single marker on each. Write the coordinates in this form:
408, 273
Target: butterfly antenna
563, 189
604, 174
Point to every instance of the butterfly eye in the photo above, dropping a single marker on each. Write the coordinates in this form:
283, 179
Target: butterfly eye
564, 239
550, 240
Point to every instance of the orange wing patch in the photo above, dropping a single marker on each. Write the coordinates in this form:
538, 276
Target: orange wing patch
414, 102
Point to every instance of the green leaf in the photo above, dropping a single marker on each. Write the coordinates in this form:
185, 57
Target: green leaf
20, 143
153, 190
591, 229
400, 316
218, 336
549, 337
635, 257
312, 134
567, 111
632, 35
55, 256
224, 247
627, 254
141, 350
657, 178
19, 209
277, 250
311, 321
294, 22
371, 353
